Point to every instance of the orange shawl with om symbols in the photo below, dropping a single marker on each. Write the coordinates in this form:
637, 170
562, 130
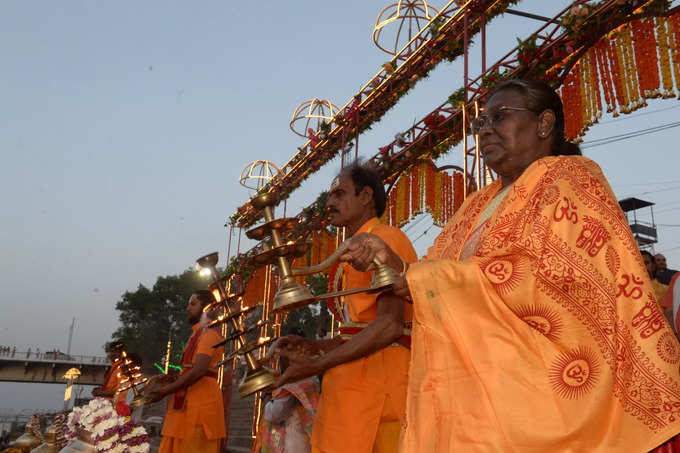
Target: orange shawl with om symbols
547, 338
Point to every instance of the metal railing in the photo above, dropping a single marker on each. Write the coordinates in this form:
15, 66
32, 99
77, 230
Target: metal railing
52, 356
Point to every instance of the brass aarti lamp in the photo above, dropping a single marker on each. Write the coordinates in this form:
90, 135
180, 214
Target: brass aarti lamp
291, 294
258, 377
132, 376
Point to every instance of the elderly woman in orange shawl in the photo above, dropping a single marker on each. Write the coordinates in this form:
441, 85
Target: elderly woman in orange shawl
535, 324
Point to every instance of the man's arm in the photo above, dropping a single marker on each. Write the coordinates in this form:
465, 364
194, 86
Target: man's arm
99, 391
382, 331
201, 365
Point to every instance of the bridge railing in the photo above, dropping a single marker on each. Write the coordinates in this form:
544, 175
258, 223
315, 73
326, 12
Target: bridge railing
53, 356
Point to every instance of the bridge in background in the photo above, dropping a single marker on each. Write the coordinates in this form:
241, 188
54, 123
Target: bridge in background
50, 367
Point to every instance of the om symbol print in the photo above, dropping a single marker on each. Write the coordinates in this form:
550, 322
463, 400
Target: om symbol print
574, 373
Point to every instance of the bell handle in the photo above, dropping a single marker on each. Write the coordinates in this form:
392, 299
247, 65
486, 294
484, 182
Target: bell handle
322, 266
345, 292
325, 264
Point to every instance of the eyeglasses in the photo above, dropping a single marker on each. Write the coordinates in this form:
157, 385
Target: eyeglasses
493, 119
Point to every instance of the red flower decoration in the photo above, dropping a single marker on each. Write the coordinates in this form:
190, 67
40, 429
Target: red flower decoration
123, 409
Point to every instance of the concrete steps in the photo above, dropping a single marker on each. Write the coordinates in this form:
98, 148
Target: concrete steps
239, 438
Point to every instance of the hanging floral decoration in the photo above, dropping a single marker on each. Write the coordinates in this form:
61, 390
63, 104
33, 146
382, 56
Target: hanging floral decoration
635, 62
424, 189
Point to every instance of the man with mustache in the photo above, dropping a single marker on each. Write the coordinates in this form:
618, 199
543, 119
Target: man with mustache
365, 368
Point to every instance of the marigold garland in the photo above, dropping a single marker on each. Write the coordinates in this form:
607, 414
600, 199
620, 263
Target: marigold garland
673, 35
627, 66
616, 69
416, 204
634, 91
401, 197
457, 190
663, 45
645, 57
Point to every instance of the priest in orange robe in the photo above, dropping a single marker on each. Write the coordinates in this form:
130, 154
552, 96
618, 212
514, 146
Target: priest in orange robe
194, 419
365, 368
113, 379
536, 328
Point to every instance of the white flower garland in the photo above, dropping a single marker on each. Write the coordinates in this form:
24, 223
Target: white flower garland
111, 433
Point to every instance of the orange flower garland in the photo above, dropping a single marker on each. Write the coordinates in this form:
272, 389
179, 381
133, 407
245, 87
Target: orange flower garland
617, 78
601, 63
416, 203
429, 189
401, 200
634, 92
457, 191
664, 57
437, 214
571, 99
645, 57
584, 93
618, 47
673, 35
597, 106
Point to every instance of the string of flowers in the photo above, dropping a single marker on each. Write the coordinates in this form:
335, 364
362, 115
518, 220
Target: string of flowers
416, 198
617, 78
586, 104
673, 35
635, 92
595, 81
457, 191
606, 77
645, 57
571, 99
663, 45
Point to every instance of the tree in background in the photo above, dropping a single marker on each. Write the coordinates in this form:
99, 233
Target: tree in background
149, 317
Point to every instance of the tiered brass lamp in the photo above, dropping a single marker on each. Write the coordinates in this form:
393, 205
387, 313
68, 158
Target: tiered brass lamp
257, 377
291, 294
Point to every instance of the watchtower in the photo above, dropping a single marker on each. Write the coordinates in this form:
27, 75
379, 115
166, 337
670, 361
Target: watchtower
643, 231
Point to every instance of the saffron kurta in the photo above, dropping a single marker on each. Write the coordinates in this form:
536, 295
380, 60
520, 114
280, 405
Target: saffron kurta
202, 419
547, 338
358, 396
112, 382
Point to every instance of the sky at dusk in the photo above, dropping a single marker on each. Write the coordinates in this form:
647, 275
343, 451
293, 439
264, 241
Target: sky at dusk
125, 126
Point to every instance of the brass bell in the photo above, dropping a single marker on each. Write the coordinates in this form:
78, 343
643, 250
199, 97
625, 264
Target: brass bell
291, 295
256, 380
384, 276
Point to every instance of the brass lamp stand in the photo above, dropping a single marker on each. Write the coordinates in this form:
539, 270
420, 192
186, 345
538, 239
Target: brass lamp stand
257, 377
291, 294
132, 373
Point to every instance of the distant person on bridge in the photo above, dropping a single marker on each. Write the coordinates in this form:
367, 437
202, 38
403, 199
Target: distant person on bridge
194, 420
112, 380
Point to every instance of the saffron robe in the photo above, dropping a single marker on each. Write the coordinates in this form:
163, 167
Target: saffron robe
358, 396
548, 337
202, 418
113, 381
